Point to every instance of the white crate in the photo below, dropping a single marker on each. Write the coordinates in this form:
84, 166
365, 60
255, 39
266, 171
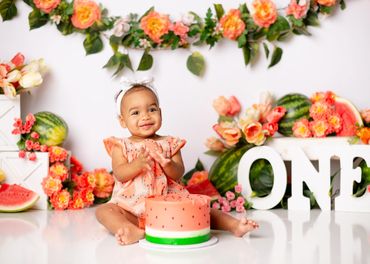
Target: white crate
26, 173
9, 109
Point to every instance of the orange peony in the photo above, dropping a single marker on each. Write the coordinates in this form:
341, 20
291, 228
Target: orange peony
60, 200
364, 134
85, 14
104, 183
155, 25
319, 128
232, 24
46, 6
264, 13
301, 129
326, 2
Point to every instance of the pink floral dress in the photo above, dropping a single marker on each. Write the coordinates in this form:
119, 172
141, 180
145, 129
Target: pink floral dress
131, 195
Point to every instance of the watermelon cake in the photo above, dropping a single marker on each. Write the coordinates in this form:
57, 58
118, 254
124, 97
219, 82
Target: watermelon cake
176, 219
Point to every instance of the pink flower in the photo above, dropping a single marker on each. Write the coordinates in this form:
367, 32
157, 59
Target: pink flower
22, 154
232, 24
60, 200
270, 128
238, 188
276, 114
180, 30
43, 148
221, 200
227, 107
335, 123
230, 195
240, 209
319, 128
29, 144
155, 25
264, 13
253, 133
301, 129
320, 110
35, 135
216, 205
104, 183
32, 156
17, 60
365, 114
233, 204
240, 200
46, 6
298, 8
36, 146
51, 185
225, 208
30, 118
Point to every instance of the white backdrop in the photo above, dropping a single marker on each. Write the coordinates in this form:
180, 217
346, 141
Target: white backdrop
336, 57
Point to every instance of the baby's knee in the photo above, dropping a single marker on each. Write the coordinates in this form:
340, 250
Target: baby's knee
104, 210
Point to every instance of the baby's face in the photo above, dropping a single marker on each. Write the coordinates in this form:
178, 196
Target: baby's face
141, 113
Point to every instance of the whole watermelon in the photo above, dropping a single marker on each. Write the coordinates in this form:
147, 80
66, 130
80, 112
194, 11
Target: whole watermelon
224, 173
297, 106
53, 130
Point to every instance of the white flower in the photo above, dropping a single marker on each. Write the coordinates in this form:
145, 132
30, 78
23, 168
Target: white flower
30, 80
122, 50
13, 76
35, 66
144, 43
187, 19
9, 90
56, 19
121, 27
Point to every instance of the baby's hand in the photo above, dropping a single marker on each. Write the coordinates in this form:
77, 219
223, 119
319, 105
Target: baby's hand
144, 161
159, 157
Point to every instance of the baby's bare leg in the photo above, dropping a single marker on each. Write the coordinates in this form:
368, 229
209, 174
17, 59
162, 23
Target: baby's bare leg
223, 221
119, 222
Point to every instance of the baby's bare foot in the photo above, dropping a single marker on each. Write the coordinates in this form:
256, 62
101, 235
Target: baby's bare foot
126, 236
244, 226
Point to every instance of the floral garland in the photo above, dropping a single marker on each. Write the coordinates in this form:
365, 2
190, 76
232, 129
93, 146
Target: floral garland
153, 30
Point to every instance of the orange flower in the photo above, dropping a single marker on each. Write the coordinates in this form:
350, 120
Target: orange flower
301, 129
104, 183
77, 201
51, 185
87, 196
335, 123
364, 134
198, 177
264, 13
319, 128
57, 154
155, 25
215, 144
320, 110
254, 133
232, 24
86, 180
227, 107
365, 114
85, 14
326, 2
46, 6
60, 200
59, 171
229, 132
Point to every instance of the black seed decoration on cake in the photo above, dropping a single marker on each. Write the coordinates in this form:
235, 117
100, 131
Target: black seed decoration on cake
151, 209
156, 217
165, 209
183, 209
180, 225
173, 218
192, 216
162, 226
199, 224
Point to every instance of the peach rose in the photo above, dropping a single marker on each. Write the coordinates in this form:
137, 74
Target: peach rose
229, 132
215, 144
254, 133
85, 14
155, 25
298, 8
232, 24
180, 30
365, 114
326, 2
227, 107
264, 13
46, 6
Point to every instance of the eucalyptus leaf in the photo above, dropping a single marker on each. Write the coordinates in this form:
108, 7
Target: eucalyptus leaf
29, 2
276, 56
219, 11
8, 10
342, 4
146, 61
267, 51
196, 64
36, 19
311, 19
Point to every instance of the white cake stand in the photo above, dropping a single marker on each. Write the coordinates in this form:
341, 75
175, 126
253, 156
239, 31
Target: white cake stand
174, 248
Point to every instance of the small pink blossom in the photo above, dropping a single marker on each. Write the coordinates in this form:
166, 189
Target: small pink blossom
276, 114
35, 135
22, 154
36, 146
32, 156
365, 114
227, 107
230, 195
301, 129
225, 208
240, 209
233, 204
238, 188
240, 200
270, 128
29, 144
216, 205
298, 8
319, 128
180, 30
43, 148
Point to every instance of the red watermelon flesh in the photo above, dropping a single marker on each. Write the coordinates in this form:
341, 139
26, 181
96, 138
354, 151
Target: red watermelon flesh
205, 187
350, 116
15, 198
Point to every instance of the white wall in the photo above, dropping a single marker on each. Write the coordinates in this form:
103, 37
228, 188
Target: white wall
336, 57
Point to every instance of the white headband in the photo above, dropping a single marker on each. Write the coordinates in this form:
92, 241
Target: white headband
128, 84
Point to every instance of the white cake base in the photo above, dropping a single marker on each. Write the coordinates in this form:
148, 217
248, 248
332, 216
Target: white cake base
174, 248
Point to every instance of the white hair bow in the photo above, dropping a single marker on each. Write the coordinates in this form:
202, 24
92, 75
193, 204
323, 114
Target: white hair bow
128, 84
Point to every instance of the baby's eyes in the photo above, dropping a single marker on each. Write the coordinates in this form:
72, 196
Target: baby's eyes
134, 112
153, 109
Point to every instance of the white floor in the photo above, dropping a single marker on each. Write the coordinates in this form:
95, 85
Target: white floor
284, 237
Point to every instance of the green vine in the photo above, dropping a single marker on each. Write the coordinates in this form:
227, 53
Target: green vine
133, 32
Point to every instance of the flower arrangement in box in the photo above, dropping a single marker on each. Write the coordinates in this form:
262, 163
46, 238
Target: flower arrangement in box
17, 77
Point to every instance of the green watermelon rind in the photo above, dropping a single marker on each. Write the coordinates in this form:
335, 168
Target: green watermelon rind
53, 130
31, 201
297, 106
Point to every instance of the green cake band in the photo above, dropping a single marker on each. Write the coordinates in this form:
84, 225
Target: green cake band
178, 241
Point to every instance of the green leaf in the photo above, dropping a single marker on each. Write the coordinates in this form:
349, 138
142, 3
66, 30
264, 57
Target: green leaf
113, 61
115, 42
243, 9
213, 153
29, 2
219, 11
36, 19
92, 43
342, 4
199, 165
146, 61
326, 9
195, 63
119, 68
126, 61
246, 54
266, 48
276, 56
197, 17
311, 19
301, 31
280, 26
242, 40
254, 50
225, 119
65, 28
147, 12
8, 10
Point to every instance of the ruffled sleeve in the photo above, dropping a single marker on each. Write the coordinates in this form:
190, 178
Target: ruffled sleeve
175, 144
111, 142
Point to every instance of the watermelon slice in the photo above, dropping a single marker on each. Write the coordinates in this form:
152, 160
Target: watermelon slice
350, 116
15, 198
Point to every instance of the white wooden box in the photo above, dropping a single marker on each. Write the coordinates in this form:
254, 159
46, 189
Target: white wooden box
26, 173
9, 109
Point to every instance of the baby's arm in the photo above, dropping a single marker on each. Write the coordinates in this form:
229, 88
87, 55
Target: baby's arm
173, 167
125, 171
